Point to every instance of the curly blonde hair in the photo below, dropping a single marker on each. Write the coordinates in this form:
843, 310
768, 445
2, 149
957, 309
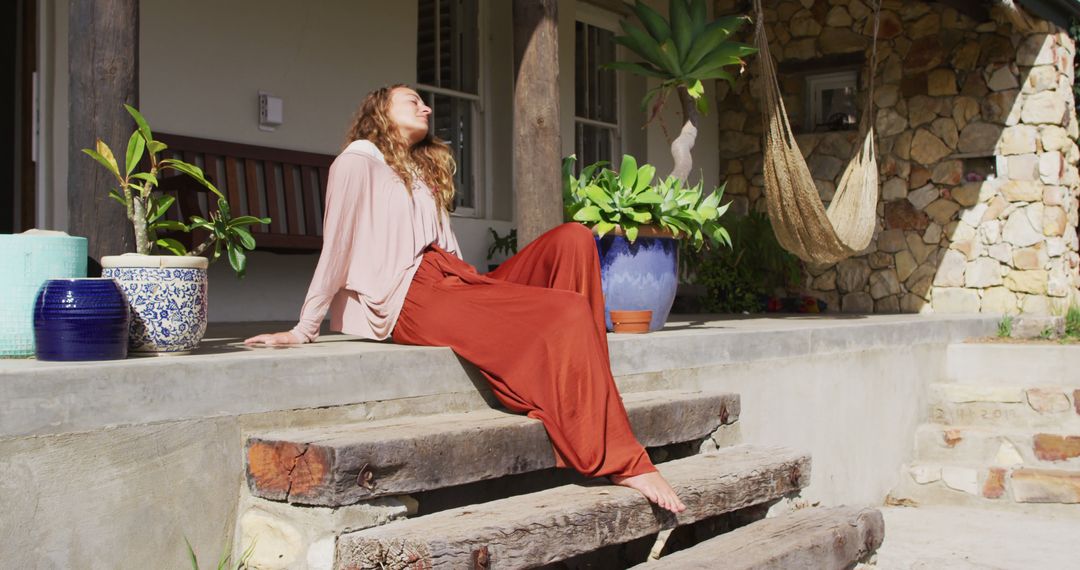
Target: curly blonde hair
429, 160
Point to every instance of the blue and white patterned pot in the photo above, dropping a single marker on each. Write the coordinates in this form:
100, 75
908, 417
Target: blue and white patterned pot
639, 276
80, 319
168, 300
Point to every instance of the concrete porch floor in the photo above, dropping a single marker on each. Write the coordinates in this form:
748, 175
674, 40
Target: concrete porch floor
961, 538
223, 377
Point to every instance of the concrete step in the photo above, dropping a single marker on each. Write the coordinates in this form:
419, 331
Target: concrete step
1019, 488
556, 524
982, 445
1000, 364
1054, 407
821, 538
342, 465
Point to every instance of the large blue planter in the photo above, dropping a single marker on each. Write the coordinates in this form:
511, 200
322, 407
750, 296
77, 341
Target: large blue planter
80, 319
639, 276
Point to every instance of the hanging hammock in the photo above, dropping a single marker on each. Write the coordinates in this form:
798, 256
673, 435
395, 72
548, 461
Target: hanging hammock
802, 224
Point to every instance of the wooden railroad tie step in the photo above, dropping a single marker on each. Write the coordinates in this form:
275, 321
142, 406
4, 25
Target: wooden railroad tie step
556, 524
342, 465
821, 538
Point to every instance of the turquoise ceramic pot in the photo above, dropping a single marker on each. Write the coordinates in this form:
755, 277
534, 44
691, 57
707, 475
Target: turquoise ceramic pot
26, 262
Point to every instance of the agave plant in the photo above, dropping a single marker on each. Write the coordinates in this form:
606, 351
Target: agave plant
627, 200
146, 209
682, 53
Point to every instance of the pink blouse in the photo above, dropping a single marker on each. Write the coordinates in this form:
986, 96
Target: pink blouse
374, 234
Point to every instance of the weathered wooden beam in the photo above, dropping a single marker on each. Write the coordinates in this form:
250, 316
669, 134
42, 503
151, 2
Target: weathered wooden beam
556, 524
103, 67
347, 464
826, 538
537, 142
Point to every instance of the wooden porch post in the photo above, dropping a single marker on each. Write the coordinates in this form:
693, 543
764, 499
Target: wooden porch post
103, 66
537, 144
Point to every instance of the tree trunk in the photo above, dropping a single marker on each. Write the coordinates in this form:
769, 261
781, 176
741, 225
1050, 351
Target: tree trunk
537, 142
683, 144
103, 56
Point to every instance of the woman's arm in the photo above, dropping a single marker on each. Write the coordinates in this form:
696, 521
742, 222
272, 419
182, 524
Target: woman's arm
348, 181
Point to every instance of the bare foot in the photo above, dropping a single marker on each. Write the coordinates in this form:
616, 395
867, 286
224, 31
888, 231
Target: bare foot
655, 488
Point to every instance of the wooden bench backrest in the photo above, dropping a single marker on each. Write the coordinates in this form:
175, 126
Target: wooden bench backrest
286, 185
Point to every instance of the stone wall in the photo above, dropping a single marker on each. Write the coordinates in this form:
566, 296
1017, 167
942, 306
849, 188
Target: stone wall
977, 152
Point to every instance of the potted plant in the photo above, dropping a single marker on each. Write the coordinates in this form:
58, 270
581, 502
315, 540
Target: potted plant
637, 224
682, 52
167, 293
754, 275
503, 246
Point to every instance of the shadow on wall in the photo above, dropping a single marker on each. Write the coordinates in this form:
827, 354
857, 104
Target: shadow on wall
977, 148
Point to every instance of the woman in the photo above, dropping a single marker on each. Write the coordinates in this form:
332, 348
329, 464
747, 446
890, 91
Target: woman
534, 327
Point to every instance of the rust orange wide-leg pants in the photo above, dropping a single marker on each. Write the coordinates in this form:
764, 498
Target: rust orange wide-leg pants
535, 328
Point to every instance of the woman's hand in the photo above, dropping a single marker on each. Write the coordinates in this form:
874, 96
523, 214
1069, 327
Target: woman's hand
274, 339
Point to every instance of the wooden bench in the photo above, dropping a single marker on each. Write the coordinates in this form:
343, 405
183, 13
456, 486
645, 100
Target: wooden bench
288, 186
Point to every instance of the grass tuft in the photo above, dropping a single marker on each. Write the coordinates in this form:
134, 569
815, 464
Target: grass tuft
1005, 327
1072, 322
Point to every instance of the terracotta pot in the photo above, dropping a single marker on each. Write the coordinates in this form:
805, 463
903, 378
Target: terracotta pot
631, 321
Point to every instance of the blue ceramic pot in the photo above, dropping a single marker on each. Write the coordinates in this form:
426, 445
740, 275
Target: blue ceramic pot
80, 319
639, 276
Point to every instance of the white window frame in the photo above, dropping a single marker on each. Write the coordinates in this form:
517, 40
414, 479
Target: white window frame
597, 17
818, 83
479, 124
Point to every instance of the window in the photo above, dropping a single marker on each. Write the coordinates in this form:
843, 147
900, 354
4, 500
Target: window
448, 77
596, 97
831, 101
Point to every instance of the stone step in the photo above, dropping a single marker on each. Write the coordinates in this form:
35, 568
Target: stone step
342, 465
1001, 364
994, 446
822, 538
1021, 488
1054, 407
556, 524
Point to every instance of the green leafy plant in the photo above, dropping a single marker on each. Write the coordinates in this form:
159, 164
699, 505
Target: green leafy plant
505, 245
737, 279
1047, 333
224, 561
146, 209
1005, 326
682, 52
1072, 322
627, 200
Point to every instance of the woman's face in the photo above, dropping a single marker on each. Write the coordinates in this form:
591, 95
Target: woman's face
410, 114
